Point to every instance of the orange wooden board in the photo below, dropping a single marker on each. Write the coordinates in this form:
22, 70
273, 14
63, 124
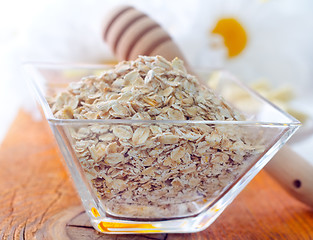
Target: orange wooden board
35, 188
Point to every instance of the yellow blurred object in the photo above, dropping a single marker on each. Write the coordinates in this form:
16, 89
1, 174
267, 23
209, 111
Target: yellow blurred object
261, 85
301, 116
281, 97
284, 94
235, 36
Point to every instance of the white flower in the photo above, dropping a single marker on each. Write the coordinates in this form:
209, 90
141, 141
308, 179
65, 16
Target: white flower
253, 39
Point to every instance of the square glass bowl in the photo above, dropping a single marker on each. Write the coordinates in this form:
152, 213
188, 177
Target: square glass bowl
154, 185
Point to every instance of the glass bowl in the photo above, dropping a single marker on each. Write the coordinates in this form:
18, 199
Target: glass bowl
147, 186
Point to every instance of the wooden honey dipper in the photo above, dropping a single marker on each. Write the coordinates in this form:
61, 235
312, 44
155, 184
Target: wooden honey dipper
130, 33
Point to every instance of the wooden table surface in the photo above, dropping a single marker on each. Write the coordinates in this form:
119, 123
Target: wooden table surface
38, 200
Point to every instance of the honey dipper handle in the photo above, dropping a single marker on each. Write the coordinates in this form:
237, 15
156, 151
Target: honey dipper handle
130, 32
294, 173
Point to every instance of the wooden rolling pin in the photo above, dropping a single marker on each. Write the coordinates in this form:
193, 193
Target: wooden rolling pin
130, 33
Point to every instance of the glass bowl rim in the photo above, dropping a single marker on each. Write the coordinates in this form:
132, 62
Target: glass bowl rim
30, 68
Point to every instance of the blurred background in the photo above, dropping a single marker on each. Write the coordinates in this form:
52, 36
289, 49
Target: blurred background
265, 43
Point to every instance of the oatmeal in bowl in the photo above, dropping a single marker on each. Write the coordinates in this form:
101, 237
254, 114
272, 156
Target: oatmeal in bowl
146, 143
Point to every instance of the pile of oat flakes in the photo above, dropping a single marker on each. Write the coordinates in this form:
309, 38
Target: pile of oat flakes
154, 169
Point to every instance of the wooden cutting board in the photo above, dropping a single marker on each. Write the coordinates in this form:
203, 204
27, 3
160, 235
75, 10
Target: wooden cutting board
38, 200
